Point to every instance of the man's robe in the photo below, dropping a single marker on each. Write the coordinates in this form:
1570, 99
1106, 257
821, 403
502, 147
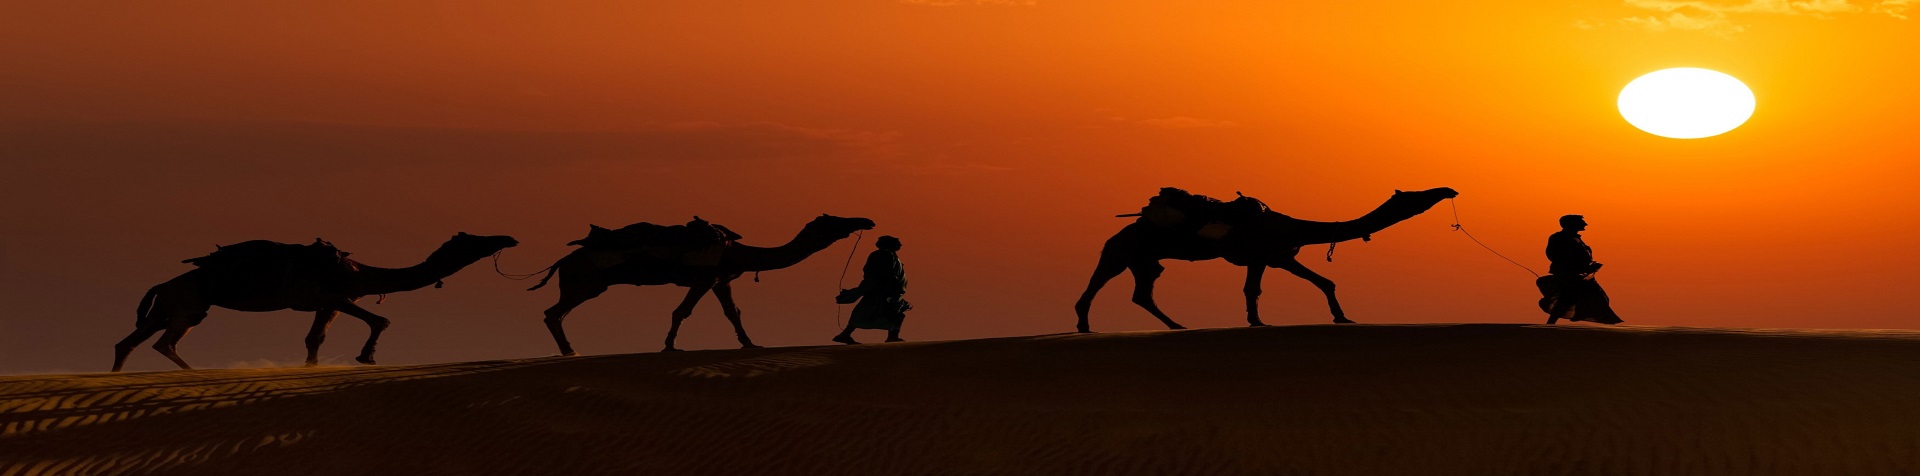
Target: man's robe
1569, 291
883, 280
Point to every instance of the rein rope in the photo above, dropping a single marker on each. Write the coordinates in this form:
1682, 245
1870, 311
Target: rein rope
860, 235
515, 277
1463, 230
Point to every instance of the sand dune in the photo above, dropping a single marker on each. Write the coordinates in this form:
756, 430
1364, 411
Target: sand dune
1368, 399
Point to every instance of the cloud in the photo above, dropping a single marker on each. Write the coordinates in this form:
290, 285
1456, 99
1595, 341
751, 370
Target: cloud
1184, 122
1721, 17
956, 3
283, 145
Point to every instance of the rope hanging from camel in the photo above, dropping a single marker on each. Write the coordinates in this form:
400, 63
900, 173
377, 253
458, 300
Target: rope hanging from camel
515, 277
1463, 230
859, 235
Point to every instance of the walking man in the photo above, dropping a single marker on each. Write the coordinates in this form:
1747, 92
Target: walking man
883, 280
1568, 290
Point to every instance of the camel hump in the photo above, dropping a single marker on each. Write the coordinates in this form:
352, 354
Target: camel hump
320, 254
697, 234
1174, 207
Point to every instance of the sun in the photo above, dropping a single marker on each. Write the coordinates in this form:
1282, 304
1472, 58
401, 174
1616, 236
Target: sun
1686, 103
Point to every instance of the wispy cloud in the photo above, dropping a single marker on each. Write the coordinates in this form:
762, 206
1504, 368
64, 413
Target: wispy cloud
956, 3
1184, 122
1724, 17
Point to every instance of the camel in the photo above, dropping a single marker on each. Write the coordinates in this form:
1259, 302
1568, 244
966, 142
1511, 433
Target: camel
581, 279
181, 303
1273, 241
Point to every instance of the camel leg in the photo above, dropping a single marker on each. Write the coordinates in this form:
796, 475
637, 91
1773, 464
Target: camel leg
375, 326
1144, 274
724, 292
125, 347
170, 339
1252, 290
694, 293
318, 334
569, 299
1325, 285
1103, 272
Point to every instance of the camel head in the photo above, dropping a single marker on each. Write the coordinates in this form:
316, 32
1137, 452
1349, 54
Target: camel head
1417, 202
467, 248
837, 227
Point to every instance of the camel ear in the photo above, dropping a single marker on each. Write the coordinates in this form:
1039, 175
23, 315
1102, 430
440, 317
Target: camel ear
1397, 191
463, 234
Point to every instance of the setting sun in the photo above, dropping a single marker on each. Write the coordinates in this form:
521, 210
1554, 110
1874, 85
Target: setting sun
1686, 103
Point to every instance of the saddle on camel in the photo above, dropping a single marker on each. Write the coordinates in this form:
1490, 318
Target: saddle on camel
699, 243
267, 264
1186, 213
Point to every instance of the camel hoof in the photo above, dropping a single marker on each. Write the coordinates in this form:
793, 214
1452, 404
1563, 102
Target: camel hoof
313, 363
1084, 330
1176, 328
846, 340
364, 360
750, 346
1342, 320
670, 349
569, 354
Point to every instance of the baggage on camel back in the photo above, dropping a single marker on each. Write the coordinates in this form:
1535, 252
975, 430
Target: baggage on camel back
270, 265
1210, 218
698, 243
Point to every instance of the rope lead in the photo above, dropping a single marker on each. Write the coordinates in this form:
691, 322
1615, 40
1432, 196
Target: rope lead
1463, 230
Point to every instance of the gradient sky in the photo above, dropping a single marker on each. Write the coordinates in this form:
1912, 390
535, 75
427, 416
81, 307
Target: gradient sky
996, 138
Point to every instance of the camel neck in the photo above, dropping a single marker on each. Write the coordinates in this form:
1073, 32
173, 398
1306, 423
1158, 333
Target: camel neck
378, 280
753, 258
1395, 210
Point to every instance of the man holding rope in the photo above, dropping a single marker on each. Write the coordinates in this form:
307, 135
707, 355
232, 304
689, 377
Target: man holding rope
1569, 290
883, 280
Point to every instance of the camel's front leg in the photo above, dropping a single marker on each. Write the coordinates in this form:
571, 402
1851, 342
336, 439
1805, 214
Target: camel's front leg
1325, 285
318, 334
724, 292
694, 293
1252, 289
1144, 274
375, 324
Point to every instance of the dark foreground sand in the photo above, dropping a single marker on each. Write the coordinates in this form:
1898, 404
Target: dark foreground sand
1391, 400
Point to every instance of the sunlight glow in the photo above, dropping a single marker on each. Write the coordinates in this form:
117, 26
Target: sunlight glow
1686, 103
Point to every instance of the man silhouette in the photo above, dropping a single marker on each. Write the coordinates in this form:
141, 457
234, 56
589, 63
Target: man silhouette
1568, 290
882, 281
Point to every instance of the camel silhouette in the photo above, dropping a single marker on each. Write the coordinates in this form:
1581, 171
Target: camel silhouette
582, 280
1269, 239
181, 303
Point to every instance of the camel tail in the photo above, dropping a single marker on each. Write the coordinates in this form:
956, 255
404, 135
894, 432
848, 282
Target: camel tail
146, 305
550, 271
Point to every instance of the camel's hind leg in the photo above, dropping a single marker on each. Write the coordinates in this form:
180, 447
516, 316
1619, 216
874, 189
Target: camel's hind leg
1105, 271
318, 334
1252, 291
375, 325
724, 292
168, 341
1325, 285
174, 306
694, 293
1144, 274
125, 347
569, 298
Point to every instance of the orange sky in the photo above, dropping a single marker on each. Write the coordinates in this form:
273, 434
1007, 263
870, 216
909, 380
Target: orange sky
996, 138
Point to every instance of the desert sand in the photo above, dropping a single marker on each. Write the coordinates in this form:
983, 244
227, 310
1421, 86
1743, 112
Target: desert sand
1473, 399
